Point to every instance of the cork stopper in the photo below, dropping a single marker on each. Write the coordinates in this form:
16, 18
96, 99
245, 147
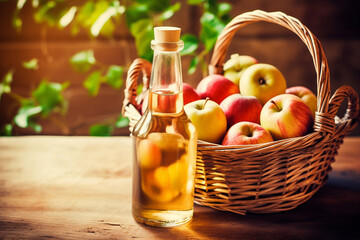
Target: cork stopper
167, 34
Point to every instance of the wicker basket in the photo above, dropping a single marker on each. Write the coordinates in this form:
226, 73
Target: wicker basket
269, 177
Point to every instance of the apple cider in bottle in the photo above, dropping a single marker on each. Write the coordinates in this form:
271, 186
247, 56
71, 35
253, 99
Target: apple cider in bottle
164, 141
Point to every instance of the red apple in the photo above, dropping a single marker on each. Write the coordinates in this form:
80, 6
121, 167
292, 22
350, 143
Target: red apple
189, 94
208, 119
286, 116
306, 95
246, 133
239, 108
216, 87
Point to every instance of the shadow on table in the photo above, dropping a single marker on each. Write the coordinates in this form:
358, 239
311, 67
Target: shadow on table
332, 213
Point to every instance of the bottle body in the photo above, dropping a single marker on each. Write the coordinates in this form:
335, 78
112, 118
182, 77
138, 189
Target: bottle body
165, 144
164, 170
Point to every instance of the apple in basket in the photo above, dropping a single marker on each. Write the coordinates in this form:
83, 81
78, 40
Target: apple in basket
239, 108
286, 116
306, 95
216, 87
236, 65
208, 119
263, 81
243, 133
189, 94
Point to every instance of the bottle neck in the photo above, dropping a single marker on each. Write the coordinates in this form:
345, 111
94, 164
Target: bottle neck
166, 78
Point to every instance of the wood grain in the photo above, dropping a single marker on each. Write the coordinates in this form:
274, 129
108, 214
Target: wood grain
80, 188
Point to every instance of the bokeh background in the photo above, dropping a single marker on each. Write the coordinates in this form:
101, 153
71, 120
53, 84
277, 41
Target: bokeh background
48, 89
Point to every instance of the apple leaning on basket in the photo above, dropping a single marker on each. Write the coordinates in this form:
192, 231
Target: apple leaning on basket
249, 104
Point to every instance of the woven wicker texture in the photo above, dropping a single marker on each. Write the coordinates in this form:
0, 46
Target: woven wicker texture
269, 177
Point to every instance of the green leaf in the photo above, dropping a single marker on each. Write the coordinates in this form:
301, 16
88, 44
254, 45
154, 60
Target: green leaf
17, 23
168, 13
92, 83
49, 96
103, 21
211, 27
6, 82
85, 12
16, 20
193, 65
195, 2
83, 16
156, 6
20, 4
22, 118
113, 76
8, 78
98, 20
136, 12
36, 127
220, 10
35, 3
25, 117
122, 122
223, 9
31, 64
101, 130
211, 6
83, 61
50, 12
6, 130
98, 17
191, 43
68, 17
143, 32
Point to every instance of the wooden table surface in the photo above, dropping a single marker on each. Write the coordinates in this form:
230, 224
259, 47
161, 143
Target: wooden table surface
55, 187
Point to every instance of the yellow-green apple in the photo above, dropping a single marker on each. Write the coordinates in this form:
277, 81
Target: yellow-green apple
236, 65
286, 116
306, 95
263, 81
208, 119
243, 133
216, 87
189, 94
239, 108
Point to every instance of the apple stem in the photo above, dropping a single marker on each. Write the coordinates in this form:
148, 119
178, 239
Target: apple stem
273, 102
206, 100
262, 81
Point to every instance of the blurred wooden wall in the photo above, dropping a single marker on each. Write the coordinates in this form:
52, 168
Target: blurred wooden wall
336, 24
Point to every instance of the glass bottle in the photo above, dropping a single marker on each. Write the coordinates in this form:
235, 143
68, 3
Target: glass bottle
164, 141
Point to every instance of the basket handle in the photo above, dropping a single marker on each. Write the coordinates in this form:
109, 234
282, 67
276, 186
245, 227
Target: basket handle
352, 112
312, 43
138, 66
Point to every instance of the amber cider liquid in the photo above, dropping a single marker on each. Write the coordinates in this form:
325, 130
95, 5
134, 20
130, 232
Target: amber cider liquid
164, 162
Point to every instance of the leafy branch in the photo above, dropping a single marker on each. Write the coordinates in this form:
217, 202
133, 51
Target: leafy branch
45, 100
214, 18
103, 18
